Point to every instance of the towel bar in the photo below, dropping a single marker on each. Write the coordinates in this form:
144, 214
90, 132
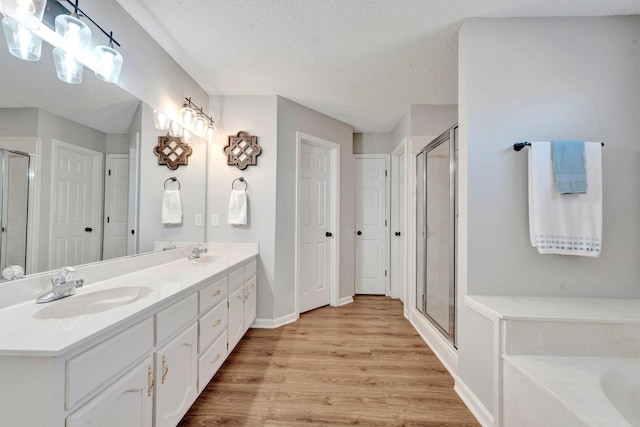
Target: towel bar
520, 145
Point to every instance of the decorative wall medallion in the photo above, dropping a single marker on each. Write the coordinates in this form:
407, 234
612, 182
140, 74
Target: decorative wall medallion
171, 151
242, 150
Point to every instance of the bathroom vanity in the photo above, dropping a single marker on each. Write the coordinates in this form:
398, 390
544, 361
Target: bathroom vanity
132, 350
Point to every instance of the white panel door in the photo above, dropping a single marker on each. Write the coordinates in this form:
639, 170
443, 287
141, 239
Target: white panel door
398, 214
315, 226
77, 201
371, 226
116, 202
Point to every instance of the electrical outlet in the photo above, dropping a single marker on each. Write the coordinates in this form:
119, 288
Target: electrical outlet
215, 220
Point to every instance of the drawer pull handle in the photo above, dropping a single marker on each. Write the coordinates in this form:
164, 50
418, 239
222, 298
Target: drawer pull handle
151, 381
165, 368
216, 293
215, 359
217, 322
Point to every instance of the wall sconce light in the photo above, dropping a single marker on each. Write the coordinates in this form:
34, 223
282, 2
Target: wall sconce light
193, 121
24, 33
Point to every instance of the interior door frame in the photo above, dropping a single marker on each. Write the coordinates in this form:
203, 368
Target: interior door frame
397, 292
96, 191
387, 213
334, 150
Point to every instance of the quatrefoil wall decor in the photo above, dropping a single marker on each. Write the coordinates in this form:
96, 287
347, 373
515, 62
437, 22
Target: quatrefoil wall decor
242, 150
171, 151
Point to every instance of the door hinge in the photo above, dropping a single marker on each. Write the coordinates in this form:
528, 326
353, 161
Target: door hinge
385, 173
385, 222
385, 273
109, 172
107, 220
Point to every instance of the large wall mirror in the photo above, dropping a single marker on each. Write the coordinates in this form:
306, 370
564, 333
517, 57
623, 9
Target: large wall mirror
79, 182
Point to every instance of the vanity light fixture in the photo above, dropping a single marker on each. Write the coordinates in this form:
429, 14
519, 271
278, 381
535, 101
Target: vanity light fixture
21, 16
193, 121
24, 32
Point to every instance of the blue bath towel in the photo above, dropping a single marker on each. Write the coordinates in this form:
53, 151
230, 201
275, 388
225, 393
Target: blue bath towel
569, 170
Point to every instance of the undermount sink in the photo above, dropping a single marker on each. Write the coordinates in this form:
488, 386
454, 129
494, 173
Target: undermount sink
208, 259
93, 302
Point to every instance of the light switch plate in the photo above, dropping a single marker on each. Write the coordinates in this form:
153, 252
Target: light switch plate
197, 220
215, 220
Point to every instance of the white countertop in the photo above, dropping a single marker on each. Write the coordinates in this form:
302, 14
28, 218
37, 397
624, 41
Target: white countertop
608, 310
30, 329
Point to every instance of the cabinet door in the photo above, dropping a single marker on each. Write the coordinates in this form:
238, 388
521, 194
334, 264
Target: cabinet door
250, 303
176, 378
126, 403
236, 317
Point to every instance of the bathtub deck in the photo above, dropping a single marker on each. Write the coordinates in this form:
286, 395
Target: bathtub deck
575, 383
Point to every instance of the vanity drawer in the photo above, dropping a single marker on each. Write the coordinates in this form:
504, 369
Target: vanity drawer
250, 269
93, 368
211, 360
236, 277
212, 324
213, 293
174, 318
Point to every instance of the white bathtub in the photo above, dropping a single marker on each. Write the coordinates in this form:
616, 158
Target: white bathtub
572, 391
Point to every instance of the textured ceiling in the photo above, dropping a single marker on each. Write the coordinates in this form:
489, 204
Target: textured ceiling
360, 61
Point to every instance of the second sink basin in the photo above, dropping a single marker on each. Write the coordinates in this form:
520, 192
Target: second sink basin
92, 302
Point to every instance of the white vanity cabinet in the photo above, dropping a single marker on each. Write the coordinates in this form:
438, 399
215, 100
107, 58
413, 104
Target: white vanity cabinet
126, 403
144, 371
176, 378
242, 306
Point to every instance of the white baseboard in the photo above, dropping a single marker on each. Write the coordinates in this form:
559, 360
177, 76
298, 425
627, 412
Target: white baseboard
345, 300
275, 323
434, 339
476, 407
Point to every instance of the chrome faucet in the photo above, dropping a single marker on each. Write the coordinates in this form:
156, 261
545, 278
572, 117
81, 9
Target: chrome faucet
64, 285
197, 251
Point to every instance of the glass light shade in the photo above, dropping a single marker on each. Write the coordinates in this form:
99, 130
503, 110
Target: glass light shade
108, 63
200, 126
75, 34
186, 135
211, 133
68, 68
27, 12
175, 129
187, 115
22, 43
161, 121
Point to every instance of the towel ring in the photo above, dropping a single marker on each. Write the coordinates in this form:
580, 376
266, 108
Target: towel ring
241, 179
172, 179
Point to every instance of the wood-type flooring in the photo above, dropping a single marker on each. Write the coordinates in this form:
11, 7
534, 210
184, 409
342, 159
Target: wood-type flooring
359, 364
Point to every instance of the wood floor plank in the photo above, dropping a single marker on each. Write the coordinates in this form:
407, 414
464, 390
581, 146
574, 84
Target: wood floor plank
362, 364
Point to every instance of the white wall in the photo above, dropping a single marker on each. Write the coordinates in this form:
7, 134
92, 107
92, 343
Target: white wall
293, 118
372, 143
257, 116
19, 122
192, 178
543, 79
424, 120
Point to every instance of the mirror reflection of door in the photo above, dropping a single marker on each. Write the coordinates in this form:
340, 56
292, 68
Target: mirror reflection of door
76, 225
116, 203
14, 199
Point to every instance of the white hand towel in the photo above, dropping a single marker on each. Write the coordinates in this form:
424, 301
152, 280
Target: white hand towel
171, 207
567, 224
238, 207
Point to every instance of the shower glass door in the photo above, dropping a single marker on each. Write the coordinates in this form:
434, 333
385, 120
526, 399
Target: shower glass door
436, 233
14, 202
